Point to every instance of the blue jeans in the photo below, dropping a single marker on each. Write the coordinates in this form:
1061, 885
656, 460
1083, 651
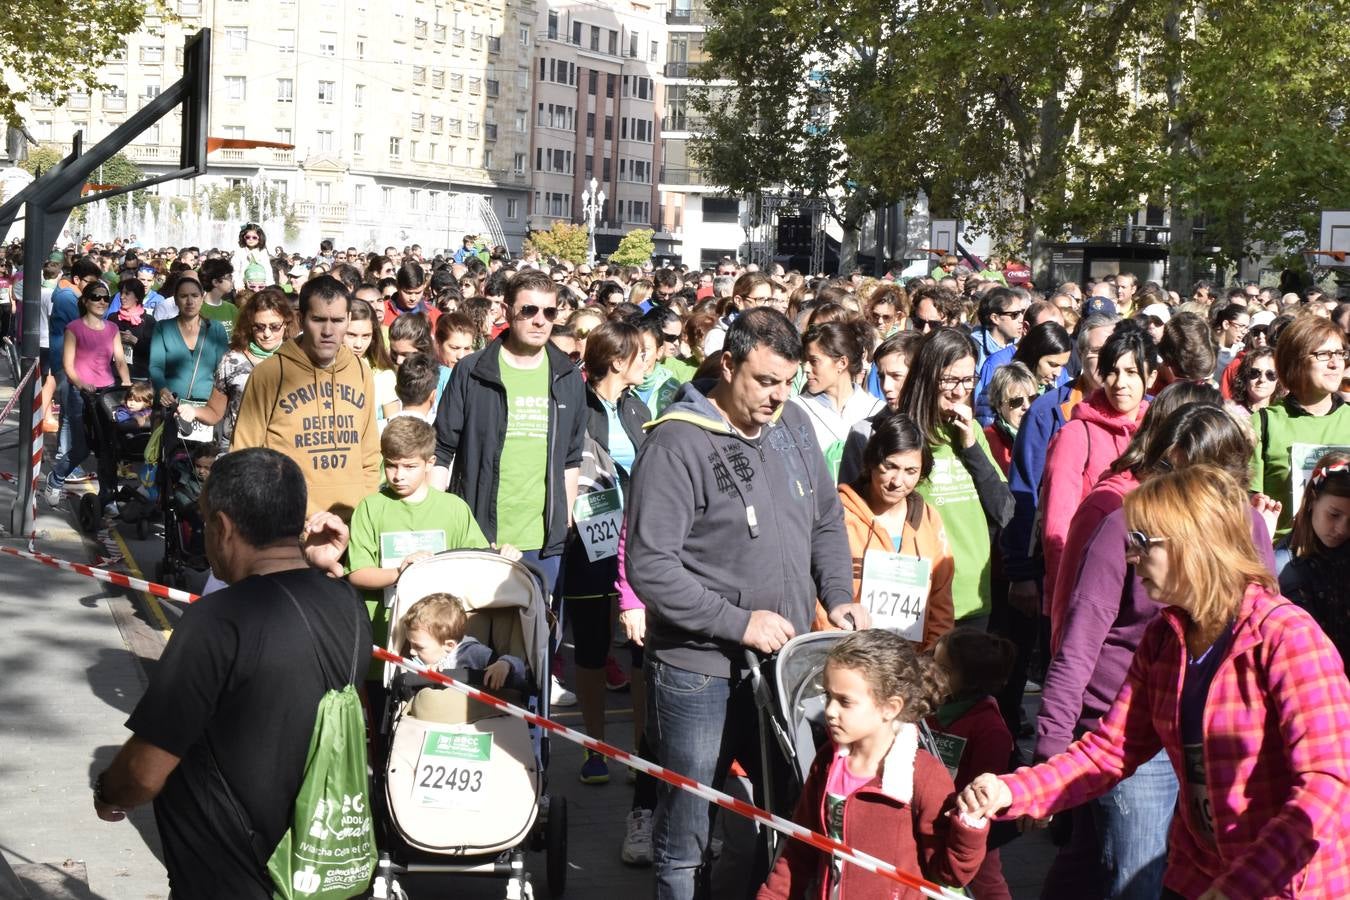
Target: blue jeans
72, 448
1132, 820
1119, 843
696, 725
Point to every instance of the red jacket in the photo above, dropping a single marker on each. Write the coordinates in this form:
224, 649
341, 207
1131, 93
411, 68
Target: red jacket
1000, 445
1277, 766
977, 740
901, 817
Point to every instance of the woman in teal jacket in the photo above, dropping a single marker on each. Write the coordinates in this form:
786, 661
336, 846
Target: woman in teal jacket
186, 349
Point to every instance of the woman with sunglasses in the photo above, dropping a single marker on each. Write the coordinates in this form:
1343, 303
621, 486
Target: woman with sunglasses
265, 321
1010, 394
1105, 613
966, 485
1310, 357
1256, 384
91, 351
1241, 689
1045, 351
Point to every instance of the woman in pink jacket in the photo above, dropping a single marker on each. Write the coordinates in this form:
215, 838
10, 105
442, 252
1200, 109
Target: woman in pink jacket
1242, 690
1097, 434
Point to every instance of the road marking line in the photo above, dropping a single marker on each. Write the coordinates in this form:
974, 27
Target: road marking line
150, 600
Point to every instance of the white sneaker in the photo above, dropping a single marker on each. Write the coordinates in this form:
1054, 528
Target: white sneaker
559, 695
54, 495
637, 842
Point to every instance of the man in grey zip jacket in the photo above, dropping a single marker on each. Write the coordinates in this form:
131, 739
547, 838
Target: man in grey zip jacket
734, 530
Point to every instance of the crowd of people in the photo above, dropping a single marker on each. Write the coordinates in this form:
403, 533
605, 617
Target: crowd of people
1132, 501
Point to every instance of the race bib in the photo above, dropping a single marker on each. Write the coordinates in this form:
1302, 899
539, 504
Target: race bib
200, 432
895, 592
453, 770
599, 516
396, 546
950, 749
1302, 460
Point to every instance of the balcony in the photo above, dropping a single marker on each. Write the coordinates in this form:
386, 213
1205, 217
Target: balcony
679, 69
692, 14
115, 102
493, 88
683, 122
334, 212
78, 101
681, 176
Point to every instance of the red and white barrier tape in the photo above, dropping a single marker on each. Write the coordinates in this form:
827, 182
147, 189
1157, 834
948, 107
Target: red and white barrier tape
726, 801
18, 392
115, 578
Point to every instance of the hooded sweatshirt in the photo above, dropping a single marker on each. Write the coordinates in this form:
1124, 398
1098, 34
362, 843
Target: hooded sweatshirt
1094, 437
928, 541
833, 426
721, 525
324, 419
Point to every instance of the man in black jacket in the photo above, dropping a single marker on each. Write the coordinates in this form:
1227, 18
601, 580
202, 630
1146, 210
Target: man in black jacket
510, 428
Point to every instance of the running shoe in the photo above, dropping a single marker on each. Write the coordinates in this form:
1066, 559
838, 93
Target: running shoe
637, 839
559, 695
594, 770
53, 495
78, 476
616, 679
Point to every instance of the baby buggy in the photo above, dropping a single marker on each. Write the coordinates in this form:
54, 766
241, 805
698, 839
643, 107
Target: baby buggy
464, 785
789, 692
116, 446
177, 489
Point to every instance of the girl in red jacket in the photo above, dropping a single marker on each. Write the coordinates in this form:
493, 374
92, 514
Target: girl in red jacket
969, 730
872, 788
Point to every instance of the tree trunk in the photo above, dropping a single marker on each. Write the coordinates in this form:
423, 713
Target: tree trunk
848, 248
1181, 252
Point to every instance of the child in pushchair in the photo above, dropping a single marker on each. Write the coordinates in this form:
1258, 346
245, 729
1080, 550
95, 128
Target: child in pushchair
117, 423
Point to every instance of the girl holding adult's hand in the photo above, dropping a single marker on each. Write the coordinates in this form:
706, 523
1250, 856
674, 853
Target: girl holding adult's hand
1243, 691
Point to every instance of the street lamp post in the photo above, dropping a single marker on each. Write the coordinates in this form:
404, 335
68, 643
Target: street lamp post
592, 202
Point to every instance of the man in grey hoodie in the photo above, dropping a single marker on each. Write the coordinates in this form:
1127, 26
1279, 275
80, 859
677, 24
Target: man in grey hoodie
734, 531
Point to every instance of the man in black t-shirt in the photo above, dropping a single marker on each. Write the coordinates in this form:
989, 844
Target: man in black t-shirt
220, 737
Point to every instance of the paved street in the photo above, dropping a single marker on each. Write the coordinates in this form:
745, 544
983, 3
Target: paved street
74, 658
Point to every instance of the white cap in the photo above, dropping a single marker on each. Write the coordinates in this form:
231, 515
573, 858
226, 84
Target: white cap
1159, 311
1262, 317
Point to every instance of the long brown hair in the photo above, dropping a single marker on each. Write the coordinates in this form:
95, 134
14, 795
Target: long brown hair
269, 299
1330, 477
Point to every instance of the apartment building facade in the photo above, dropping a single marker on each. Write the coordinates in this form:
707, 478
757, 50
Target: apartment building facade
409, 119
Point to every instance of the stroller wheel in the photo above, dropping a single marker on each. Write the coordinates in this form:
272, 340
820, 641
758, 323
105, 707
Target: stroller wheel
556, 847
89, 513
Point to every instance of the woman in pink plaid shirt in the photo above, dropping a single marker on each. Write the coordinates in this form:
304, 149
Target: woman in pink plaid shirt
1241, 688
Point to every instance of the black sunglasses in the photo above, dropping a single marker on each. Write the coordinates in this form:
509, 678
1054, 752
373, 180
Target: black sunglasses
1138, 543
926, 324
1016, 402
529, 311
670, 338
1267, 374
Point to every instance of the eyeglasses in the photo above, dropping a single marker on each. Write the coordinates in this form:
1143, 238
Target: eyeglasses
529, 311
1137, 543
670, 338
1017, 402
951, 384
98, 298
1011, 313
1267, 374
1328, 356
269, 327
926, 324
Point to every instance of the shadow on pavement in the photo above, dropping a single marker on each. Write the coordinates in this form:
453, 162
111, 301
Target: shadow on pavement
142, 819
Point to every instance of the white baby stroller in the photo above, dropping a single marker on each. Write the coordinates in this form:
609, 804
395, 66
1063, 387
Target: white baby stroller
464, 785
790, 695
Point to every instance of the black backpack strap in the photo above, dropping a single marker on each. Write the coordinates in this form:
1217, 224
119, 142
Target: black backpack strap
314, 640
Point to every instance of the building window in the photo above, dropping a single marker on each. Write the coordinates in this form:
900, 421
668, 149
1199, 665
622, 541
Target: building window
613, 42
576, 33
419, 75
456, 81
475, 84
654, 52
552, 24
414, 198
438, 33
358, 143
524, 35
235, 87
360, 47
512, 208
412, 150
358, 94
494, 43
284, 135
457, 37
328, 93
609, 86
285, 90
234, 131
286, 41
358, 195
438, 78
325, 141
387, 197
417, 121
395, 147
236, 40
437, 124
592, 82
152, 55
518, 163
452, 125
420, 28
633, 45
590, 125
327, 43
609, 128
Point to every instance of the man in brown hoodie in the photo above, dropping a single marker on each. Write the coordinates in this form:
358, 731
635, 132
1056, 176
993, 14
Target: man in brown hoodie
312, 400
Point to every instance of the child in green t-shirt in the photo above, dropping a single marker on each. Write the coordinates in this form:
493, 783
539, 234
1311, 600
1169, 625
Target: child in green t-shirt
406, 520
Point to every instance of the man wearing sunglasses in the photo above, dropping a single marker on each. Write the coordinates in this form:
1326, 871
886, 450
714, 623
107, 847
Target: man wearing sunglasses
510, 427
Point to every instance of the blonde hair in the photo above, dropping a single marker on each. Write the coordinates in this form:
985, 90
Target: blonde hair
440, 615
1205, 516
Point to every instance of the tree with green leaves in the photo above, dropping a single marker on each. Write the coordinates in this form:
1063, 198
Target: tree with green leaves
635, 248
49, 49
561, 240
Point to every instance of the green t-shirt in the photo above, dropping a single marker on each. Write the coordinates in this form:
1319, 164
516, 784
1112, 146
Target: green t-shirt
951, 491
225, 313
523, 471
1278, 436
385, 529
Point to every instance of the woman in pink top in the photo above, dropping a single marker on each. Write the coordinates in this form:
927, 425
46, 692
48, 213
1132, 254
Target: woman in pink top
1097, 434
92, 348
1242, 690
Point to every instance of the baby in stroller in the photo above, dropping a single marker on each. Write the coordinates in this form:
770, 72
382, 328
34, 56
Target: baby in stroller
434, 630
134, 412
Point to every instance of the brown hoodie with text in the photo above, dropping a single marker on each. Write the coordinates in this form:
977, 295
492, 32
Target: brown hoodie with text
324, 419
